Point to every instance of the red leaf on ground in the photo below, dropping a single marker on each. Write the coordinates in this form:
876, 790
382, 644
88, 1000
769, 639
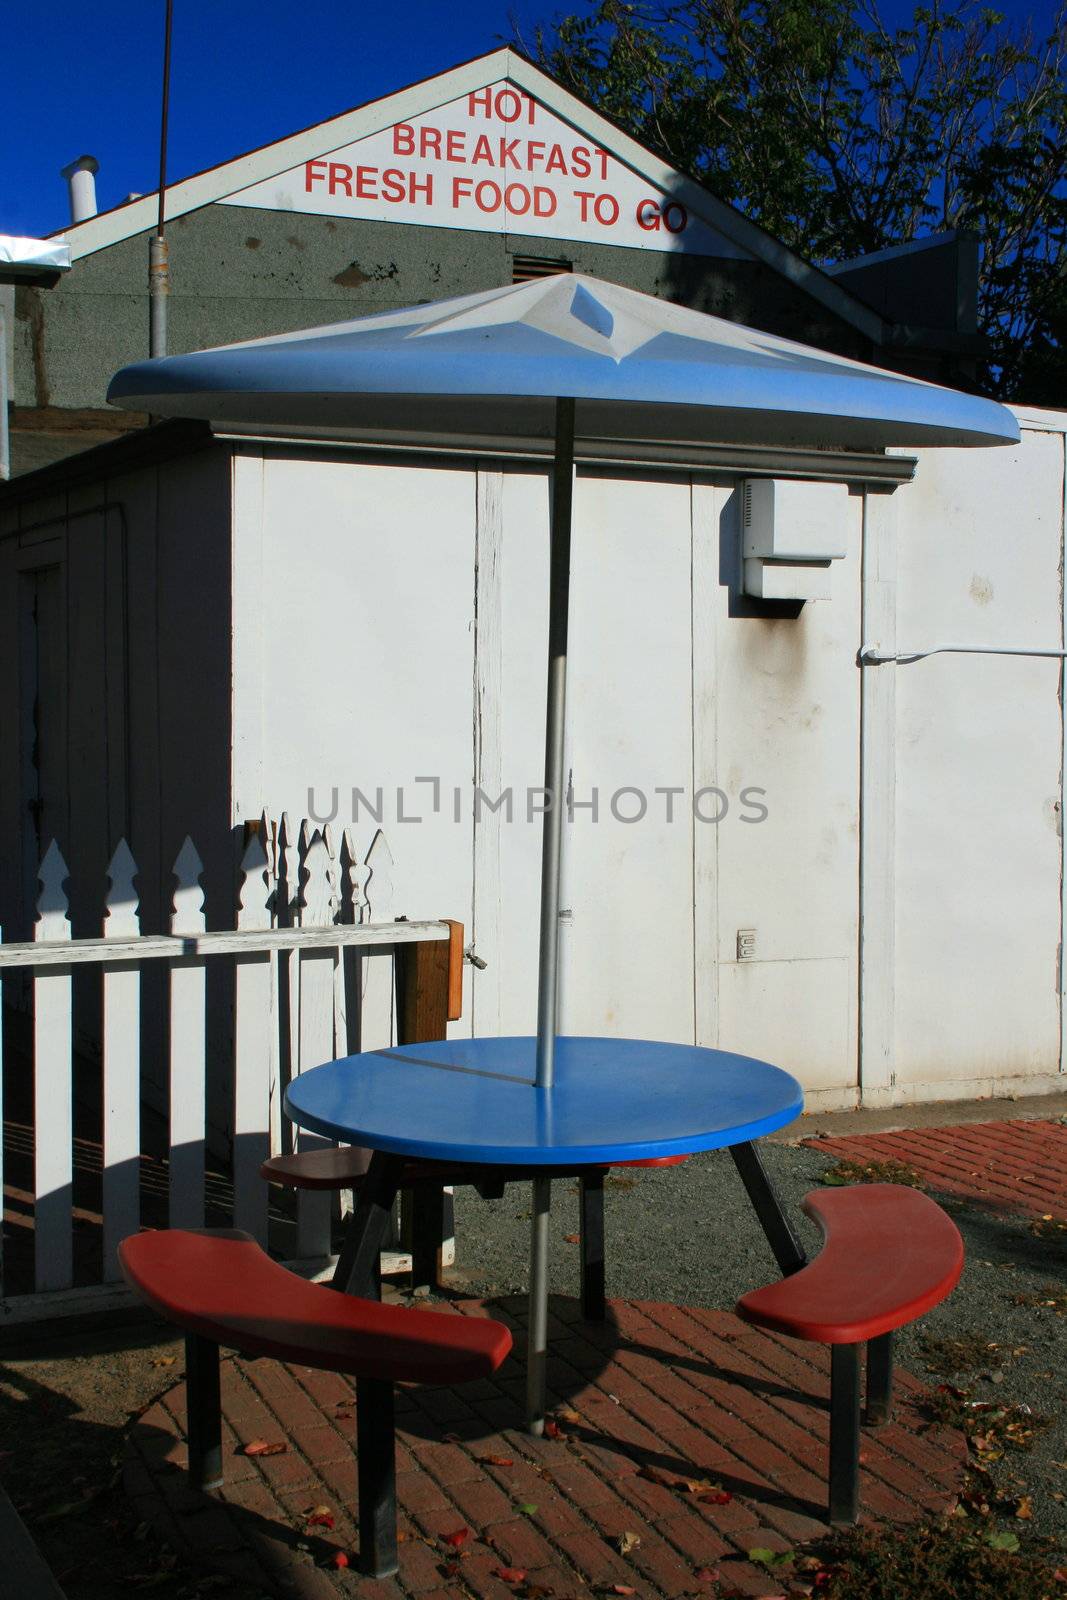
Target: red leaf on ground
460, 1536
622, 1588
265, 1447
572, 1238
715, 1497
706, 1575
339, 1559
510, 1574
553, 1430
320, 1519
496, 1461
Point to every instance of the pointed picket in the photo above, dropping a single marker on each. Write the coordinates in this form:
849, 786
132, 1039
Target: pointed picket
316, 1025
253, 1027
188, 1053
121, 1067
52, 1086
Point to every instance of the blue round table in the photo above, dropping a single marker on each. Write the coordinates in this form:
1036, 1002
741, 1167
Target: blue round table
613, 1100
475, 1103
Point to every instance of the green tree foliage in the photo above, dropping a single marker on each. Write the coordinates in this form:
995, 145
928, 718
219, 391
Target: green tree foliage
844, 135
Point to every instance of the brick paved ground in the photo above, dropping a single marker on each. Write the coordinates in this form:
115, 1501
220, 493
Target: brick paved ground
684, 1391
1006, 1166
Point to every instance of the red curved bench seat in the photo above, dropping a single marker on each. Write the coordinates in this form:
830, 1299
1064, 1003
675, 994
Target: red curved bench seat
889, 1254
221, 1288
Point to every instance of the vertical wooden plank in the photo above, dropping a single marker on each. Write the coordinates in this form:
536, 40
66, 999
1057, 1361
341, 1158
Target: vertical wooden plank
188, 1056
422, 991
53, 1129
317, 910
121, 1066
706, 506
2, 1125
487, 912
253, 1023
878, 735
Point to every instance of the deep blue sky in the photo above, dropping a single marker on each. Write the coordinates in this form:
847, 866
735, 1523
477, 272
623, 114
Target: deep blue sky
79, 78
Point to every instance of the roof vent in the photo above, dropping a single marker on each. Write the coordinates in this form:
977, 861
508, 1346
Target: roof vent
524, 269
81, 182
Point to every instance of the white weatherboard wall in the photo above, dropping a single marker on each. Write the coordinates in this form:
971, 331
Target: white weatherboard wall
979, 772
389, 627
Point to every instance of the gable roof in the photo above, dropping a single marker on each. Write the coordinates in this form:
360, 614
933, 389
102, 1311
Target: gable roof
229, 178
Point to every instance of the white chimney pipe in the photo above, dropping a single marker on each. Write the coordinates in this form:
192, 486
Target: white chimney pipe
81, 181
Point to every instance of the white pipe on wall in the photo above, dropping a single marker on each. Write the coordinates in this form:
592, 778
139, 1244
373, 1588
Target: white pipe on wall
870, 657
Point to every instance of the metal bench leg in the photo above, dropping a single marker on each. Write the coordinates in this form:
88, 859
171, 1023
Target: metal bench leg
204, 1411
879, 1379
427, 1233
788, 1251
358, 1269
376, 1470
592, 1233
844, 1432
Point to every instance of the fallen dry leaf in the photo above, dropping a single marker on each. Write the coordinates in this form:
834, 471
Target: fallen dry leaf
339, 1559
320, 1518
627, 1541
568, 1414
460, 1536
164, 1361
706, 1575
1024, 1509
553, 1429
496, 1461
572, 1238
265, 1447
510, 1574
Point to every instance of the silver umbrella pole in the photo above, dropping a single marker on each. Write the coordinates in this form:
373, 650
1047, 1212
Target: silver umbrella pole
551, 855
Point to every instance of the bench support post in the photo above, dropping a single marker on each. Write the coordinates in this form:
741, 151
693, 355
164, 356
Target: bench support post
376, 1468
358, 1269
844, 1433
787, 1248
591, 1186
203, 1411
879, 1378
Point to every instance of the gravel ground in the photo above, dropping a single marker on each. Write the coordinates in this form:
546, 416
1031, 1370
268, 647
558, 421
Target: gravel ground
687, 1233
682, 1233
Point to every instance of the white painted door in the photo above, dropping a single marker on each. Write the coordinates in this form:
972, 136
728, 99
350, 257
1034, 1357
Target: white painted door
627, 949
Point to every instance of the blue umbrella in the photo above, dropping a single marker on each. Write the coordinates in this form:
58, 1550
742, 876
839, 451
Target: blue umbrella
540, 363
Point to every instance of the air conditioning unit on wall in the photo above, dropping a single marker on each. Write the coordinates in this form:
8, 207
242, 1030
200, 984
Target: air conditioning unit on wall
791, 531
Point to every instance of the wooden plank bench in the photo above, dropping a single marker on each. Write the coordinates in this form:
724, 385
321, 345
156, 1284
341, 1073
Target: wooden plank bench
889, 1254
221, 1288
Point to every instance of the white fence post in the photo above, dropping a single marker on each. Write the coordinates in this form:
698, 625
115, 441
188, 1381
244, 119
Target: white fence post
378, 1012
121, 1067
253, 1026
188, 1053
318, 908
53, 1071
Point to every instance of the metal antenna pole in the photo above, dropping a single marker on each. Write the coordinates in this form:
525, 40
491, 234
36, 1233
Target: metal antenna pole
158, 252
551, 859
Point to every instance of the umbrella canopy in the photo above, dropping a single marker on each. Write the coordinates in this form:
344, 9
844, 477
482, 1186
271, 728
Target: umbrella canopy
637, 367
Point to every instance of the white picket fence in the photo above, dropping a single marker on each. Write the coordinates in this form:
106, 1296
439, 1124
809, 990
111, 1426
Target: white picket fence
302, 903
